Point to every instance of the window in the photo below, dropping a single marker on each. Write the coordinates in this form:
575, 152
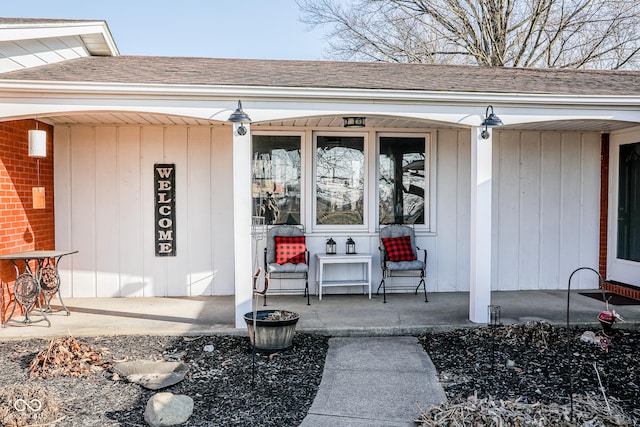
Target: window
339, 180
276, 171
402, 185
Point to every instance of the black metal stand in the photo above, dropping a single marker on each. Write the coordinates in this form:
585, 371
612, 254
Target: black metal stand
254, 304
569, 353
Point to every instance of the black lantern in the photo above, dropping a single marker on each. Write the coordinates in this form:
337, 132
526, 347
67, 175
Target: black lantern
354, 122
331, 247
494, 315
351, 246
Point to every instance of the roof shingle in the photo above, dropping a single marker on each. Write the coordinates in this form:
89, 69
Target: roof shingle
333, 74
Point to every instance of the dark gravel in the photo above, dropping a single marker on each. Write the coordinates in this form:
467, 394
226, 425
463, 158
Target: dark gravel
220, 382
528, 361
531, 362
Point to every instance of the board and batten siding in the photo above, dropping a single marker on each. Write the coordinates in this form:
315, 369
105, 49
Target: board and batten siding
545, 211
546, 195
105, 210
545, 221
449, 253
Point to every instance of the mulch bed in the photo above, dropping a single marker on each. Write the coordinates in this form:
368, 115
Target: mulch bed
221, 382
530, 363
494, 370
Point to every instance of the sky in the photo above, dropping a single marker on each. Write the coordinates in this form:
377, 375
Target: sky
260, 29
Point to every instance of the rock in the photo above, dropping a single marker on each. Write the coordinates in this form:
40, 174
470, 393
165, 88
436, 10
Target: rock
152, 375
174, 357
168, 409
590, 337
208, 348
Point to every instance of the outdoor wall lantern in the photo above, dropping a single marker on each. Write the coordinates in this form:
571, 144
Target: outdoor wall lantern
331, 247
354, 122
239, 116
490, 120
38, 150
351, 246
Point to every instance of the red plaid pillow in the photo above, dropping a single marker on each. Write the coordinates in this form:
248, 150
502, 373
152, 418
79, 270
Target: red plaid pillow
290, 249
399, 248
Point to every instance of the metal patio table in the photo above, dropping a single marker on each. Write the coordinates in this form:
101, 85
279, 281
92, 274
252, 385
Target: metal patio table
32, 284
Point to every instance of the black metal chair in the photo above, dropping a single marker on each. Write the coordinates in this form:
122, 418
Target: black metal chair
285, 270
407, 264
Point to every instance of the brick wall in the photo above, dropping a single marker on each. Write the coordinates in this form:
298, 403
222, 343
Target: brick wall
621, 289
604, 203
21, 226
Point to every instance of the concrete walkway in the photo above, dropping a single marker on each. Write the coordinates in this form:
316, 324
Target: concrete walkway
374, 381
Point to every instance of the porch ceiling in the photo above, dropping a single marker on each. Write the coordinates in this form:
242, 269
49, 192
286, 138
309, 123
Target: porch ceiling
132, 118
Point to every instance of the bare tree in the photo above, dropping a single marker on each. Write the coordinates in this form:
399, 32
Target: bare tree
600, 34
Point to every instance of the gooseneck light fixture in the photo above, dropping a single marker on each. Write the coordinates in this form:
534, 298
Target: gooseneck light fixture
239, 116
490, 120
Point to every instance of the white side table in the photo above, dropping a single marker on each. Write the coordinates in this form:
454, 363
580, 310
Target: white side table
324, 260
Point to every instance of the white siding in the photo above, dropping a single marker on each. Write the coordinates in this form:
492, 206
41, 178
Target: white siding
108, 214
448, 264
545, 211
16, 55
546, 208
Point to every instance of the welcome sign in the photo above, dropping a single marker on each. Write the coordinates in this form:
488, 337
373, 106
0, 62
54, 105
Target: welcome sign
165, 204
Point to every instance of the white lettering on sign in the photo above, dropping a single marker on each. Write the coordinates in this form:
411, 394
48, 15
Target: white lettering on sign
165, 235
165, 216
164, 185
165, 222
162, 198
164, 172
164, 248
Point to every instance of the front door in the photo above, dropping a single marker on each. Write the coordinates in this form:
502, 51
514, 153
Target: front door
624, 210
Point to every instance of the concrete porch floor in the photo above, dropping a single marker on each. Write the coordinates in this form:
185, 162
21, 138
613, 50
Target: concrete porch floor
335, 315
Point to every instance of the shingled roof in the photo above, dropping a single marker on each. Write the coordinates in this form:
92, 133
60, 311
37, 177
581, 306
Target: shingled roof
332, 74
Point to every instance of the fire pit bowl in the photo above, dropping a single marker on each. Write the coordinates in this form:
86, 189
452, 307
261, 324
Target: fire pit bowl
274, 329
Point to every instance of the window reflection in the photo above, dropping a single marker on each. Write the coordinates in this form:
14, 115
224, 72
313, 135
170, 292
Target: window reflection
276, 178
339, 180
402, 180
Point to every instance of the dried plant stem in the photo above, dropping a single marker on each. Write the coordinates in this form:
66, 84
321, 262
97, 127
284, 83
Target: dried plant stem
602, 387
44, 362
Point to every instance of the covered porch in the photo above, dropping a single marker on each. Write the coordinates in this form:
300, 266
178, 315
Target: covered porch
477, 230
336, 315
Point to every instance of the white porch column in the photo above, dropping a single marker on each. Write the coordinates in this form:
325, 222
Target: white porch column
242, 223
480, 269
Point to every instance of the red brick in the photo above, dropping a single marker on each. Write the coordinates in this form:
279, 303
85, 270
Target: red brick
18, 173
604, 202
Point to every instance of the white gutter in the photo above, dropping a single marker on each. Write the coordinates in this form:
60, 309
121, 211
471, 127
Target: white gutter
44, 88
